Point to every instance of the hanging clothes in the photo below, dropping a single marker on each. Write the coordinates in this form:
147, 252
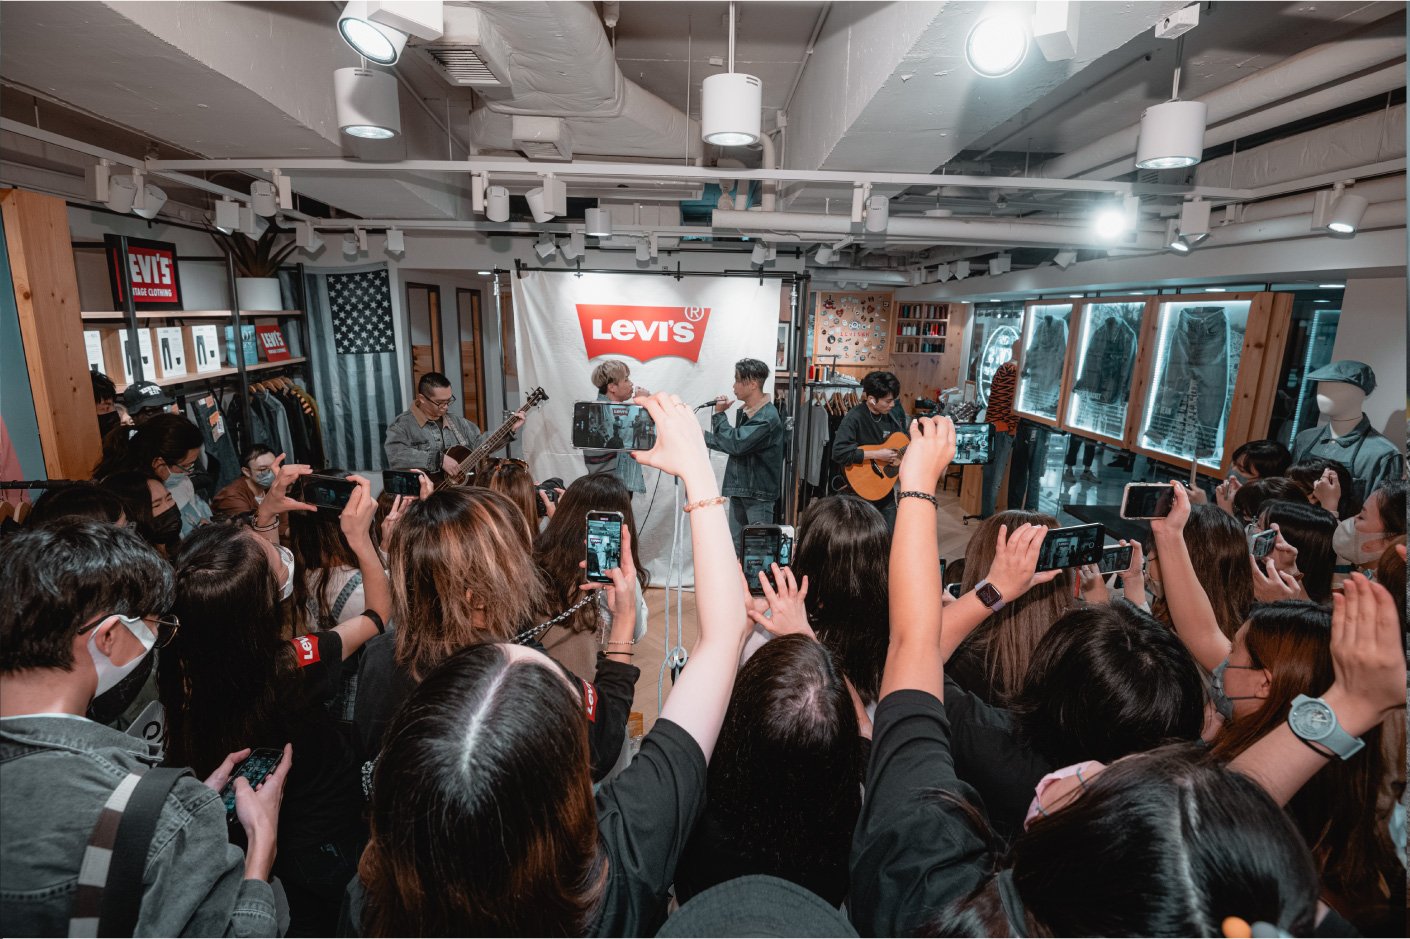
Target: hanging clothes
1042, 366
1106, 368
1196, 367
206, 414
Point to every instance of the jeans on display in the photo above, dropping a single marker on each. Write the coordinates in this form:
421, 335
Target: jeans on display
742, 512
1030, 453
994, 473
1198, 353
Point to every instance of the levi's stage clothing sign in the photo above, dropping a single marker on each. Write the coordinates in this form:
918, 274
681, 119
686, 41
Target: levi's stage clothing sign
643, 332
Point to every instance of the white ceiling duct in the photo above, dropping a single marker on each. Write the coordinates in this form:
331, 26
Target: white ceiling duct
542, 138
469, 55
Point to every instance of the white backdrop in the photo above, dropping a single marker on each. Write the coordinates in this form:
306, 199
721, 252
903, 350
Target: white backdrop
719, 320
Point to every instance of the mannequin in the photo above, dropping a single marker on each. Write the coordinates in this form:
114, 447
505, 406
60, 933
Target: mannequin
1342, 388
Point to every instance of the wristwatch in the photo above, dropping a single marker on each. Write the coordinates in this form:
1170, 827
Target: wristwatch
989, 595
1314, 722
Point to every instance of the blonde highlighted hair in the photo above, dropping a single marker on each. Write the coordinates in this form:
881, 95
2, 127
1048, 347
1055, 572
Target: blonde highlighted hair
608, 371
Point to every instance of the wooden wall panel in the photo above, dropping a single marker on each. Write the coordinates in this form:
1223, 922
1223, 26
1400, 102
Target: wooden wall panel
46, 293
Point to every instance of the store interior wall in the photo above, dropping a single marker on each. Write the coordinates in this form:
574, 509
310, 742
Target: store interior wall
203, 284
1373, 330
16, 396
449, 282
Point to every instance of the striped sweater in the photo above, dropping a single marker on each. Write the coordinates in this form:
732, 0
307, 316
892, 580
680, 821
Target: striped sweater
1001, 390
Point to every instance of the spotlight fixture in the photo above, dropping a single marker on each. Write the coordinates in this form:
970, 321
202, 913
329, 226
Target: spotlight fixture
1194, 221
97, 176
1065, 258
1000, 264
1174, 240
997, 45
577, 244
396, 242
943, 273
599, 223
121, 191
361, 240
643, 252
545, 247
307, 237
497, 204
373, 41
226, 216
285, 189
1172, 135
263, 198
961, 270
878, 213
824, 254
251, 225
653, 245
548, 201
1346, 215
150, 202
730, 103
350, 245
1117, 218
366, 103
760, 254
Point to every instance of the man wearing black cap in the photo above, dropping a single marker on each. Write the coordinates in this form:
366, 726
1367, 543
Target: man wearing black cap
1348, 437
144, 400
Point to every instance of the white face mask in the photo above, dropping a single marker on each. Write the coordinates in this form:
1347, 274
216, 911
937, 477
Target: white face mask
109, 673
1350, 544
286, 586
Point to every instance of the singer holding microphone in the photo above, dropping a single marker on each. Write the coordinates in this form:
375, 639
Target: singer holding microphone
614, 383
754, 442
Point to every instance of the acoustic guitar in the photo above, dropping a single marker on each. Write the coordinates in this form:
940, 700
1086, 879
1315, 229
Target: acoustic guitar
872, 479
468, 461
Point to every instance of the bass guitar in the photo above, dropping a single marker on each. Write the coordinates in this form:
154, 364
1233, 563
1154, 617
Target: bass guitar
467, 461
873, 479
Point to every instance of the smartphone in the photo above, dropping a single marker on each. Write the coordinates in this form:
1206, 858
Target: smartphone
605, 425
1071, 547
762, 546
255, 768
1115, 558
604, 545
1147, 500
973, 443
328, 492
401, 482
1260, 543
953, 590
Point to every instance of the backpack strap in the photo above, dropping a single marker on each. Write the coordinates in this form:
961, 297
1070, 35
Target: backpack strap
109, 895
344, 595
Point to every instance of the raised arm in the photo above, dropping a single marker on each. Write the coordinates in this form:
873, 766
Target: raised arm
1369, 664
1190, 609
278, 501
1013, 574
356, 521
701, 693
914, 659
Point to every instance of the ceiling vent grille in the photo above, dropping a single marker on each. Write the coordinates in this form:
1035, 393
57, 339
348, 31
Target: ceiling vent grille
463, 65
469, 54
542, 138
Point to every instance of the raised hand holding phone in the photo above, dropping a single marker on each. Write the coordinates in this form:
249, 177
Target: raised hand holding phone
928, 455
1270, 583
789, 612
1174, 523
356, 517
1015, 568
277, 501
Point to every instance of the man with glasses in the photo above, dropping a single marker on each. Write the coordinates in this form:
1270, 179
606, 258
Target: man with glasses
421, 436
81, 619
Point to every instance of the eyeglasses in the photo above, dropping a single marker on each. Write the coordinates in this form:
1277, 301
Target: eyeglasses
165, 631
442, 405
184, 467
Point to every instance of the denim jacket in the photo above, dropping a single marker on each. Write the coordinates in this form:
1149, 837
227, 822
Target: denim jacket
56, 772
755, 448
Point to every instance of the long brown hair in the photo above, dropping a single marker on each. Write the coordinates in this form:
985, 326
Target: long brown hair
1336, 809
320, 550
1218, 550
1006, 640
511, 479
563, 542
483, 821
461, 572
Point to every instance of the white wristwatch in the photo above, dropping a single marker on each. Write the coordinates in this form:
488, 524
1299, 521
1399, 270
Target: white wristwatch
1315, 722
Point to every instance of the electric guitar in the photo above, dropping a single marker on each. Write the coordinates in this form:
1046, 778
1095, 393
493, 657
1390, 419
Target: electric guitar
872, 479
468, 461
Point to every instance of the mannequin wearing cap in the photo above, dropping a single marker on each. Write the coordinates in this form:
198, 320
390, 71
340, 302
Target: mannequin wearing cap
1348, 437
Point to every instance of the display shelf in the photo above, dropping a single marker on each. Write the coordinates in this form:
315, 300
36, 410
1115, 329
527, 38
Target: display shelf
224, 372
921, 329
184, 314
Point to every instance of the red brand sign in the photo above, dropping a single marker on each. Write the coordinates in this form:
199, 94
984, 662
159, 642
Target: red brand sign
150, 267
271, 342
305, 650
643, 332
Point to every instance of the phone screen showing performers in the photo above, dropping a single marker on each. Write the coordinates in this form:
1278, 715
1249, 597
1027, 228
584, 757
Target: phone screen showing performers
1115, 558
764, 546
973, 443
604, 425
604, 545
1071, 547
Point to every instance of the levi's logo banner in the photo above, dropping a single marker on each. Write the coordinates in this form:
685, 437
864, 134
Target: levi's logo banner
643, 332
590, 701
305, 650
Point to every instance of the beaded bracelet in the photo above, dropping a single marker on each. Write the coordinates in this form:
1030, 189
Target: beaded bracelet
704, 503
270, 527
916, 494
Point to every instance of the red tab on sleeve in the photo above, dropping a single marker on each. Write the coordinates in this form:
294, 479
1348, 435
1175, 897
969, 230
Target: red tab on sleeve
590, 701
305, 650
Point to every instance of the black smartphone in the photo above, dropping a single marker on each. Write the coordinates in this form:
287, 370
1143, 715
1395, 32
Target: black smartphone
328, 492
255, 768
401, 482
1115, 558
604, 545
1071, 547
549, 487
1147, 500
606, 425
762, 546
1260, 543
973, 443
953, 590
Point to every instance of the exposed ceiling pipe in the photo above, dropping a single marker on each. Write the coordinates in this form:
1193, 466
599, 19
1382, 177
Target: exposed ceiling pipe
768, 200
1380, 215
807, 55
1373, 190
1318, 66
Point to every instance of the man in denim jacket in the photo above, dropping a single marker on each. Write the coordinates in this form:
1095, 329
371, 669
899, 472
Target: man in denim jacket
77, 629
754, 473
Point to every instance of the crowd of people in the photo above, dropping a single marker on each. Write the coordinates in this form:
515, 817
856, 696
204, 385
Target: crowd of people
1204, 743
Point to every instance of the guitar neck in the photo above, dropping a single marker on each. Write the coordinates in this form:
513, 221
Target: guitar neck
491, 443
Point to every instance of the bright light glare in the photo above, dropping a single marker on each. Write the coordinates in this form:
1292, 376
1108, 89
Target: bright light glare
729, 139
997, 45
1342, 228
1180, 245
369, 132
1110, 223
1169, 163
367, 40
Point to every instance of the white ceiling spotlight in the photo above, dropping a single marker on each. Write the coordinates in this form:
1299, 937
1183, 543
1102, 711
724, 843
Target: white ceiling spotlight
148, 200
1065, 258
285, 188
373, 40
361, 240
226, 216
577, 244
366, 103
497, 204
307, 237
943, 273
548, 201
264, 198
1192, 227
961, 270
122, 190
1338, 211
1118, 218
599, 223
824, 255
643, 252
1174, 240
1055, 29
759, 255
1172, 134
97, 176
731, 103
396, 242
350, 245
997, 45
1000, 264
878, 213
251, 225
545, 247
653, 245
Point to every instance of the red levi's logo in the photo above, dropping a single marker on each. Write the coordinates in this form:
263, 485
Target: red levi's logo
643, 332
590, 701
305, 650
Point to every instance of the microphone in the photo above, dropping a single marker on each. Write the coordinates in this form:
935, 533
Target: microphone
708, 404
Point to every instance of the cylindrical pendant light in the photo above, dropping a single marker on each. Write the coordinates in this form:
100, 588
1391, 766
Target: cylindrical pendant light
730, 106
1172, 135
599, 223
366, 103
538, 205
497, 204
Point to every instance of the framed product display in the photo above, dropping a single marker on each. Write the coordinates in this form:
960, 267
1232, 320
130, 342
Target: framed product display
1043, 368
855, 328
993, 330
171, 351
1210, 376
1106, 339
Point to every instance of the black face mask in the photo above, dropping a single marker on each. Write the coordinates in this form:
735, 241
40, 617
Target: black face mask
111, 704
166, 526
107, 422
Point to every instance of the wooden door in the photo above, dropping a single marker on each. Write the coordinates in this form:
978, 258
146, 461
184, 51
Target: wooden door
472, 357
423, 304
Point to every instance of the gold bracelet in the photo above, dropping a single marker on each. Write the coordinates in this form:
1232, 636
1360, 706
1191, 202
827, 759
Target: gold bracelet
704, 503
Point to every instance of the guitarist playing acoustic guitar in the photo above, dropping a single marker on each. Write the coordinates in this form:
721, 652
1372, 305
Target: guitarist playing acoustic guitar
421, 437
870, 441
